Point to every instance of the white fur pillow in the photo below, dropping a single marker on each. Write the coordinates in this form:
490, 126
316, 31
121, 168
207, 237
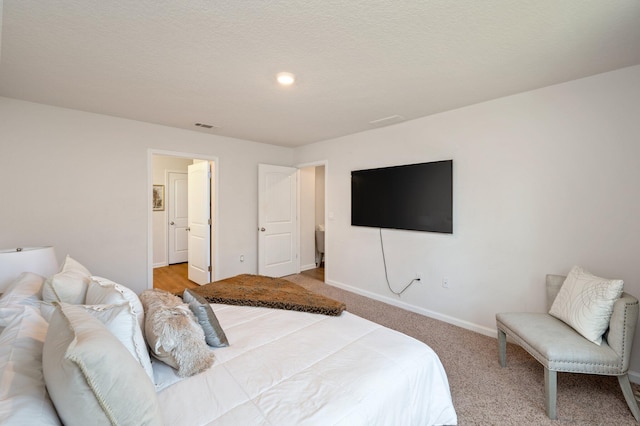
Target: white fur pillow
585, 302
173, 333
69, 285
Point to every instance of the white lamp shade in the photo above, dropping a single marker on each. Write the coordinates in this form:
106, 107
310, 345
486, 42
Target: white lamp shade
13, 262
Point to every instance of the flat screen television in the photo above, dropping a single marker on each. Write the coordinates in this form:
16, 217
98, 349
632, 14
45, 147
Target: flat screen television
416, 197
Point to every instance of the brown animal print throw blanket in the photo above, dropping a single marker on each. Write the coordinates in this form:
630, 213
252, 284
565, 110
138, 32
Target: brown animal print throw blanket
267, 292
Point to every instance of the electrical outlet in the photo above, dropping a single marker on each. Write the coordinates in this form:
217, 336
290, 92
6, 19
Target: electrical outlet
242, 258
445, 282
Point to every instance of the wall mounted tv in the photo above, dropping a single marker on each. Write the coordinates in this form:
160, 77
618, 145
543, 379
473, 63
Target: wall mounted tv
417, 197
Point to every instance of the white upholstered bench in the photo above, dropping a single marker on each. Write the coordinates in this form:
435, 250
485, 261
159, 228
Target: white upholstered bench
559, 348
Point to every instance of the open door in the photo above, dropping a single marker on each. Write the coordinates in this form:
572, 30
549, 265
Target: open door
199, 222
277, 221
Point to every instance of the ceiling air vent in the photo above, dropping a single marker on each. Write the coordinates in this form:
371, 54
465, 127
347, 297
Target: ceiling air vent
207, 126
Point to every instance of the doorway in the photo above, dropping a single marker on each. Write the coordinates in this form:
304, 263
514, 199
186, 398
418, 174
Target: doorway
301, 208
313, 218
168, 169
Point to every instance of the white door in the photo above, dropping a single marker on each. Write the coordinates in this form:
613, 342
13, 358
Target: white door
277, 221
178, 207
199, 223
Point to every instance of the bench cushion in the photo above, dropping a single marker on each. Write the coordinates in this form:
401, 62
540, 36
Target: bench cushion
557, 346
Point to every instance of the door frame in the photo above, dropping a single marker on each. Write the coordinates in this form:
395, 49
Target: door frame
327, 219
214, 213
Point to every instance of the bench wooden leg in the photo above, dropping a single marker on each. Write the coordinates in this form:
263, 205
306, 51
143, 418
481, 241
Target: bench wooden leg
550, 392
625, 385
502, 348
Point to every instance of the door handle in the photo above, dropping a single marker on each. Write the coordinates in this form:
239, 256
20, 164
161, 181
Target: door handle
172, 223
262, 229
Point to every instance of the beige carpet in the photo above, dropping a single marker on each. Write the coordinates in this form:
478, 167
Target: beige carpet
483, 392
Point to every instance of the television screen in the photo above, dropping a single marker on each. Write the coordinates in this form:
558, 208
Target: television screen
417, 197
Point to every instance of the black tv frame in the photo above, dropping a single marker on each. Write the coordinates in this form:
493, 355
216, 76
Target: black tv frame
414, 197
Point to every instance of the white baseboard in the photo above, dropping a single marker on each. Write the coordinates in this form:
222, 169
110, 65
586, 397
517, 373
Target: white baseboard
634, 377
307, 267
426, 312
160, 265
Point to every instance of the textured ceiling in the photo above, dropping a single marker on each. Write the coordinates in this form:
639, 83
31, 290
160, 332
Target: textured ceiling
209, 61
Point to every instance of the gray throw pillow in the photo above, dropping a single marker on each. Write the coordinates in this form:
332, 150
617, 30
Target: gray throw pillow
213, 333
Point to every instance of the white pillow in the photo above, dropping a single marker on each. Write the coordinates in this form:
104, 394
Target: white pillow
69, 285
24, 290
585, 302
91, 377
102, 291
121, 322
23, 396
173, 333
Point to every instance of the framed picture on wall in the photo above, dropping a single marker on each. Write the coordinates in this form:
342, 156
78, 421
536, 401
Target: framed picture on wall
158, 198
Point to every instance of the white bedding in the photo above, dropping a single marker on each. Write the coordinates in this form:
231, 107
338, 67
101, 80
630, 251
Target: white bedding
291, 368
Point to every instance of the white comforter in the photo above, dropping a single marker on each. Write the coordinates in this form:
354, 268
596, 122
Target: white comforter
293, 368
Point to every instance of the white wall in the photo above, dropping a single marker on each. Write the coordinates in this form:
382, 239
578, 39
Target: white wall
79, 181
542, 181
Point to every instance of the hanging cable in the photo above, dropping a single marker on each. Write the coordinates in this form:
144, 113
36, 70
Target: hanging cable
386, 276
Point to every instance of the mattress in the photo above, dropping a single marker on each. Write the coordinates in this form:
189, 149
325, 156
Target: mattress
294, 368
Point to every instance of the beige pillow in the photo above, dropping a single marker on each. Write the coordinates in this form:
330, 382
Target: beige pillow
102, 291
121, 322
69, 285
90, 375
173, 333
585, 302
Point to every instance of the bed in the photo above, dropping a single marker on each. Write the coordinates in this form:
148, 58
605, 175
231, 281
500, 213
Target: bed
290, 368
280, 368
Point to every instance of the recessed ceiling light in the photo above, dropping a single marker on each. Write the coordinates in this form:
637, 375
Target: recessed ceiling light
285, 78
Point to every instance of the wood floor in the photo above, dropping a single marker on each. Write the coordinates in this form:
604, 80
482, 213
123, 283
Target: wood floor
173, 278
